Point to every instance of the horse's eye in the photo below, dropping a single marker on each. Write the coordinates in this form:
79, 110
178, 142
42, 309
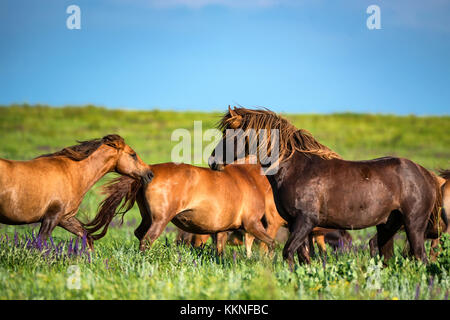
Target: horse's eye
134, 156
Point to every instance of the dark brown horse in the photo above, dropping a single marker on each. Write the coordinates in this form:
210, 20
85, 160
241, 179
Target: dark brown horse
49, 189
436, 226
314, 187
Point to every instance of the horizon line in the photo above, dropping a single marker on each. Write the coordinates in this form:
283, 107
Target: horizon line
186, 109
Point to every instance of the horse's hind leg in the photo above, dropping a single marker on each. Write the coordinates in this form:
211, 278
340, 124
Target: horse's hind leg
415, 227
248, 239
220, 240
304, 251
143, 227
74, 226
271, 230
256, 228
385, 234
146, 222
156, 228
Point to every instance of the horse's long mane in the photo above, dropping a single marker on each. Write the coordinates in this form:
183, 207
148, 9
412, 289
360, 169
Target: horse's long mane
84, 149
291, 138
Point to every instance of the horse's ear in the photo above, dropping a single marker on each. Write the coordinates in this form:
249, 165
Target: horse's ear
235, 119
232, 112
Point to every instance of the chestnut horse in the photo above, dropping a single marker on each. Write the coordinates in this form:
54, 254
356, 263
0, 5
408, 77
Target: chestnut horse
49, 189
195, 199
313, 186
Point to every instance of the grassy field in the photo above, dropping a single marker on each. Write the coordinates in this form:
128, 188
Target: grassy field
117, 270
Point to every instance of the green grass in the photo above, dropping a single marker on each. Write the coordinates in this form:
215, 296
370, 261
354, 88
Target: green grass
117, 270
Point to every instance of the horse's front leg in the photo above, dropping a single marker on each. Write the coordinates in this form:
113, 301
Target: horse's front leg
299, 231
74, 226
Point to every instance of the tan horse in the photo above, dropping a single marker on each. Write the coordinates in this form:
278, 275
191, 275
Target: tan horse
195, 199
49, 189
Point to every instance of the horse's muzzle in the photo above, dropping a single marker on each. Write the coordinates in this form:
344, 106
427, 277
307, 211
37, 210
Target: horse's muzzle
214, 165
147, 177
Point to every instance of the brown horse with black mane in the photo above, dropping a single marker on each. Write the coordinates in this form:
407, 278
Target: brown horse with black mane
49, 189
314, 187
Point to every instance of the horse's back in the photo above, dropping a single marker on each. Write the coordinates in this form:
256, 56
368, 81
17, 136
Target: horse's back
359, 194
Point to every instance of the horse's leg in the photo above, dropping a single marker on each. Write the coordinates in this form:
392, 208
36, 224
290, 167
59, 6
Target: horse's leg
156, 228
303, 251
143, 227
386, 232
415, 232
320, 240
272, 230
146, 222
373, 245
50, 219
199, 240
248, 239
220, 240
300, 229
74, 226
256, 228
434, 253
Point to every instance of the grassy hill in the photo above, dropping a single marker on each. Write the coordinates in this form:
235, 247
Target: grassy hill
117, 270
28, 131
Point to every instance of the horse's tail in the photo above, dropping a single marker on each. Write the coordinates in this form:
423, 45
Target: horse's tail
438, 219
120, 189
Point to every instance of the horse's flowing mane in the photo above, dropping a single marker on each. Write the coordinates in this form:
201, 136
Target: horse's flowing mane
291, 139
84, 149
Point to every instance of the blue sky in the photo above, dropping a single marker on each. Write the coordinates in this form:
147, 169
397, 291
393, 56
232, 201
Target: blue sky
296, 56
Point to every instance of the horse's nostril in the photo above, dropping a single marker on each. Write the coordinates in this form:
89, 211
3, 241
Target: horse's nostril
147, 178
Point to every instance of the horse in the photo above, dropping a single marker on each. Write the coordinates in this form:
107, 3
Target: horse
435, 226
313, 186
197, 200
321, 236
50, 188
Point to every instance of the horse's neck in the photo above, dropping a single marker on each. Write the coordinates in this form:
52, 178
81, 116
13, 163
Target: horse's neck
94, 167
297, 162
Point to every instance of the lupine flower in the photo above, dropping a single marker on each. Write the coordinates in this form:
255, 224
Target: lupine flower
417, 292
